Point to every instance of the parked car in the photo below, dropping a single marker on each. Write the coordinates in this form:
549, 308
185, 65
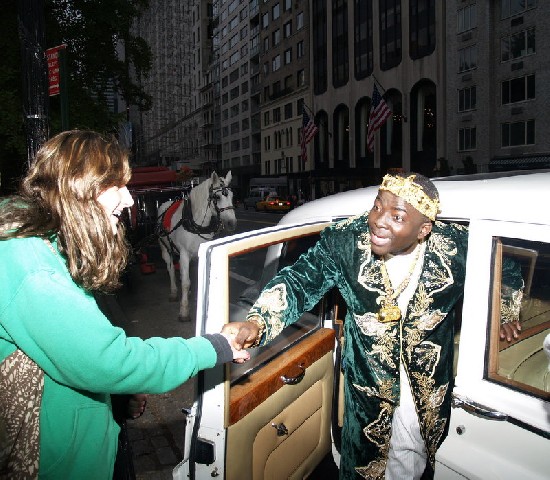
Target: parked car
273, 203
255, 196
279, 415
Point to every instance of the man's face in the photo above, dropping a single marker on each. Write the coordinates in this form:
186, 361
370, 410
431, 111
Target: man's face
395, 226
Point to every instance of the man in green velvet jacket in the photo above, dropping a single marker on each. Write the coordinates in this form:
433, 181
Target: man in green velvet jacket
401, 273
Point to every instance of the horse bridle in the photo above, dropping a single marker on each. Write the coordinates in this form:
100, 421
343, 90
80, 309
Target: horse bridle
214, 196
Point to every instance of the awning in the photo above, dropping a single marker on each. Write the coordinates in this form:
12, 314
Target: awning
143, 176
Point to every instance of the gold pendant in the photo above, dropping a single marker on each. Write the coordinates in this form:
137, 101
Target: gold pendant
389, 313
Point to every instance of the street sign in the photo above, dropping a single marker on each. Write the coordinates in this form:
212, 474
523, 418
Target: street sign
52, 55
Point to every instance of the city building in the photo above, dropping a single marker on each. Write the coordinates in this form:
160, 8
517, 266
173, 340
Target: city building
399, 46
169, 133
285, 78
464, 81
497, 82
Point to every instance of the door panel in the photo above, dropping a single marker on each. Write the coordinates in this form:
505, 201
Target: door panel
231, 420
283, 431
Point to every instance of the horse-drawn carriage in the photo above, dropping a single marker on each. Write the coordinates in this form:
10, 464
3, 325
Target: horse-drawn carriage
178, 218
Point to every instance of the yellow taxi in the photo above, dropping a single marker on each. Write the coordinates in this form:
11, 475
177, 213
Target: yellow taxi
273, 203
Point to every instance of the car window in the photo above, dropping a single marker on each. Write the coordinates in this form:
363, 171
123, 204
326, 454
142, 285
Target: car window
249, 273
522, 363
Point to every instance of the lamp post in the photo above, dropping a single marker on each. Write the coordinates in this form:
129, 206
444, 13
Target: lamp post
34, 72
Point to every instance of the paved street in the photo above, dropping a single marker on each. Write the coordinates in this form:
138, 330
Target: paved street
143, 310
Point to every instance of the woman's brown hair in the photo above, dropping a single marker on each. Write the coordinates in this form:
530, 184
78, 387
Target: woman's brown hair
58, 198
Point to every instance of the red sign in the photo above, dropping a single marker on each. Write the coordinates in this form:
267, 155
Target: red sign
52, 54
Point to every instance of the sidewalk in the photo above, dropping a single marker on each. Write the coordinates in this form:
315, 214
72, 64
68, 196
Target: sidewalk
143, 310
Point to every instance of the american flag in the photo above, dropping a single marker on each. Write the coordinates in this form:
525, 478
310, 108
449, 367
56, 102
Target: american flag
309, 129
379, 113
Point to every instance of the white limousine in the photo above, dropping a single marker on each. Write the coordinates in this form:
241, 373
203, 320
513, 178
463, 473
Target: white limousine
279, 415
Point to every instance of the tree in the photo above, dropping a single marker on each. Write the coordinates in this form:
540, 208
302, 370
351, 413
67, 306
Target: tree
96, 32
102, 56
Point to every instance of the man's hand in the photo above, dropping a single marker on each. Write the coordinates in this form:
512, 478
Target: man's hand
510, 331
244, 334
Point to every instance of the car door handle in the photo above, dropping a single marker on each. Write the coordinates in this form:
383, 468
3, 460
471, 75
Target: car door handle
470, 406
294, 380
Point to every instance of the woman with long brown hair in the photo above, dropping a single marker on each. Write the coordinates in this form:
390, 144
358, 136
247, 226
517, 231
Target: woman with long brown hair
61, 359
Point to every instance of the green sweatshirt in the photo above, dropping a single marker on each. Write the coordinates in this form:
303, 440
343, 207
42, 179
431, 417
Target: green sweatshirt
84, 357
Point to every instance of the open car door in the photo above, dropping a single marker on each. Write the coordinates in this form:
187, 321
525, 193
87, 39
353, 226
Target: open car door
269, 418
500, 420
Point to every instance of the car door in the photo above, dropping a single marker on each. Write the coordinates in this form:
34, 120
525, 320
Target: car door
269, 418
500, 420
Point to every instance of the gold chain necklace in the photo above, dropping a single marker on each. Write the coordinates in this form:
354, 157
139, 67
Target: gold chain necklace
390, 311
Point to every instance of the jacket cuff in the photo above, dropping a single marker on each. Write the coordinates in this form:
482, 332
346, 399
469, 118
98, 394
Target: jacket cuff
223, 350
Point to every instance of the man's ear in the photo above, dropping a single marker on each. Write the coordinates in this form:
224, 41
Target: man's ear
425, 230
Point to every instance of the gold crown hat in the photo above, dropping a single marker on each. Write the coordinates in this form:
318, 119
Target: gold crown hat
412, 193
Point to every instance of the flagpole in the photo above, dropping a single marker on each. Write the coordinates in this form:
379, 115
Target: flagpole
308, 109
379, 84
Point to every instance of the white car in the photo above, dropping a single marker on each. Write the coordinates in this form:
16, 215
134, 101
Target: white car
279, 415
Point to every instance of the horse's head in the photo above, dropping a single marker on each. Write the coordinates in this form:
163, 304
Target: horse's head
221, 197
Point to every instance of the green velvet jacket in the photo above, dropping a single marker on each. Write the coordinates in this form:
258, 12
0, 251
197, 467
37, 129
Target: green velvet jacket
372, 351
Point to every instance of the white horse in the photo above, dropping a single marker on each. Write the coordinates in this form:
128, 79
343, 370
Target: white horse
204, 213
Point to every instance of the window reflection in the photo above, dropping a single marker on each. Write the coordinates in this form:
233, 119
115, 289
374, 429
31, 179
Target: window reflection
522, 363
248, 274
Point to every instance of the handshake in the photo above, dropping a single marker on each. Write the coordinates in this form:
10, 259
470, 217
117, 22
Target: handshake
243, 335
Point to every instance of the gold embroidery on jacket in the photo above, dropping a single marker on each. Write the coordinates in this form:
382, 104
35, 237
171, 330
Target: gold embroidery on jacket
271, 304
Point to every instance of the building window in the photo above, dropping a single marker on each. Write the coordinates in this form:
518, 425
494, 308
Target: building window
340, 51
288, 28
288, 56
276, 36
518, 45
300, 49
467, 58
244, 106
276, 63
390, 33
287, 5
288, 82
300, 21
518, 133
267, 143
301, 78
234, 93
319, 46
467, 99
245, 124
466, 18
234, 128
421, 28
266, 119
363, 43
265, 20
513, 7
288, 111
277, 114
467, 139
275, 11
266, 68
518, 89
300, 106
266, 44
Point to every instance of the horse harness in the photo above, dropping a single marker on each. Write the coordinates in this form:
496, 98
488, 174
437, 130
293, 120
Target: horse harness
187, 221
